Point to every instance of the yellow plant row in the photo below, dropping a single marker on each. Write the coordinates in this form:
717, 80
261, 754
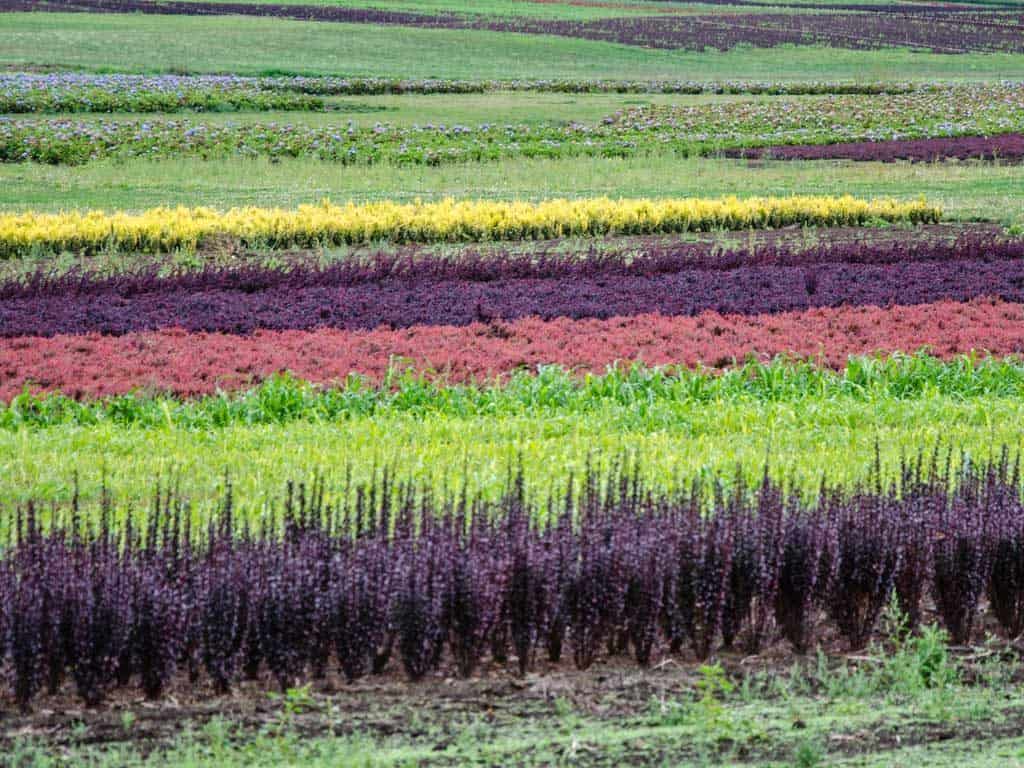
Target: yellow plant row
170, 229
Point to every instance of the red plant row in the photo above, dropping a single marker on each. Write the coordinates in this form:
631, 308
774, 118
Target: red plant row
1007, 147
199, 363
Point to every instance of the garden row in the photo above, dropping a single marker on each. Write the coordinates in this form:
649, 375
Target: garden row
391, 574
952, 34
1007, 148
80, 92
164, 230
174, 360
963, 8
402, 290
981, 121
548, 390
264, 437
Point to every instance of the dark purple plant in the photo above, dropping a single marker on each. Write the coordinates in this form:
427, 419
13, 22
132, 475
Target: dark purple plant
220, 616
155, 637
754, 573
418, 607
703, 556
960, 555
1005, 587
867, 561
25, 646
803, 563
360, 606
100, 625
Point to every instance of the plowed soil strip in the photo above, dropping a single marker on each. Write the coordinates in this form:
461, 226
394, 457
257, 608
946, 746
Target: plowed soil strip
198, 363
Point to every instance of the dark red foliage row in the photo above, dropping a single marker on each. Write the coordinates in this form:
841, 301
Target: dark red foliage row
187, 364
397, 572
1008, 148
399, 292
941, 33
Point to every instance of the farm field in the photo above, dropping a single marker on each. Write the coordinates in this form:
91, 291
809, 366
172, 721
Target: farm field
523, 382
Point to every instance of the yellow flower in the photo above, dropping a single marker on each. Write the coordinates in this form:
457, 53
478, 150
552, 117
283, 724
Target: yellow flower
161, 230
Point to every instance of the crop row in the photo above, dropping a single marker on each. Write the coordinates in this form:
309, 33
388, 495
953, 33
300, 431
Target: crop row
344, 86
972, 110
70, 92
622, 256
834, 436
959, 33
956, 110
80, 92
958, 10
164, 229
176, 361
549, 391
440, 290
858, 31
386, 572
1007, 148
567, 257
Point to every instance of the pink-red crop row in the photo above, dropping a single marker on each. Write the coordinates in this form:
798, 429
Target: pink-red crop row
402, 291
186, 363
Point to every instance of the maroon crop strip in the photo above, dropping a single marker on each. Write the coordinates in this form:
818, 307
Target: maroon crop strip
401, 292
392, 304
197, 363
1007, 148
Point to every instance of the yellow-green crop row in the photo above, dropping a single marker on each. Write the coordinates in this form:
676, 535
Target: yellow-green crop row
162, 230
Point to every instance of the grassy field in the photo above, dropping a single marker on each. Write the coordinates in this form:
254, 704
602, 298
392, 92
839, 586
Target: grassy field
965, 191
249, 46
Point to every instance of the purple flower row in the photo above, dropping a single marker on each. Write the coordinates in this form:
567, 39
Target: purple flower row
392, 574
427, 289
